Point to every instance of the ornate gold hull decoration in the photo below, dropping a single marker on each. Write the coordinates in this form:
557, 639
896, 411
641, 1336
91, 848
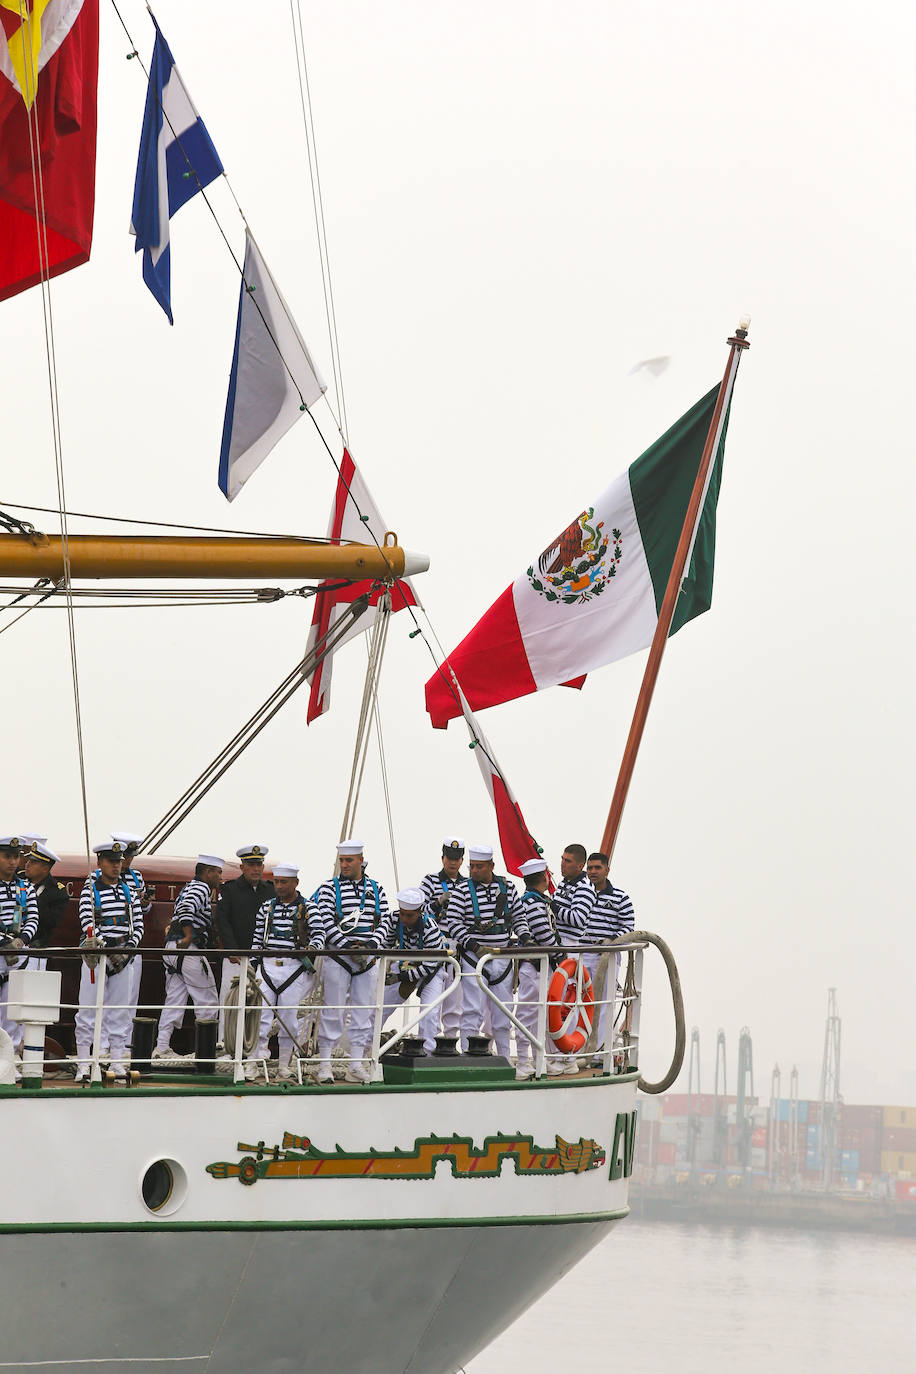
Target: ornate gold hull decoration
297, 1157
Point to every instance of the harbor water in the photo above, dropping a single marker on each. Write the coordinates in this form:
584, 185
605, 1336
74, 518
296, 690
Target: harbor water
657, 1297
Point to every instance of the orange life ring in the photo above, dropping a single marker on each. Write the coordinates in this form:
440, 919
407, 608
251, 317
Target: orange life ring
569, 1019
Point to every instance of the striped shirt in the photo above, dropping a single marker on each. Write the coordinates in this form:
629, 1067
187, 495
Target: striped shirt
134, 879
612, 916
538, 908
575, 899
434, 886
112, 911
487, 914
194, 908
18, 910
393, 934
347, 913
277, 923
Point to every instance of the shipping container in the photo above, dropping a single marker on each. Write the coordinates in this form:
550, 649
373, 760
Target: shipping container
759, 1138
905, 1190
853, 1116
899, 1138
649, 1108
899, 1116
813, 1137
785, 1110
849, 1161
898, 1162
849, 1182
665, 1153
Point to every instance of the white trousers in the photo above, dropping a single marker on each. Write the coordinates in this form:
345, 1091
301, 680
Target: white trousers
480, 1014
116, 1019
272, 975
349, 1000
194, 979
429, 1023
527, 1010
606, 1010
451, 1008
13, 1028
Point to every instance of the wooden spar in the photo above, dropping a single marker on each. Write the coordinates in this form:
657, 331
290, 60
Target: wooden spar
665, 616
108, 556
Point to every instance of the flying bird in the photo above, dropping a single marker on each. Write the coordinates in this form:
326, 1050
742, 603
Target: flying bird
655, 366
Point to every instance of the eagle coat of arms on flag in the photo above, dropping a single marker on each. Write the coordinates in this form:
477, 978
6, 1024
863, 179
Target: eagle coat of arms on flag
577, 565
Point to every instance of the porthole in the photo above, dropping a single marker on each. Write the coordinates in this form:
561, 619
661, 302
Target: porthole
164, 1186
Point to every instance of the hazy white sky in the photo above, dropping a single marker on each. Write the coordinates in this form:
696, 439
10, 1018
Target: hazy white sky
523, 200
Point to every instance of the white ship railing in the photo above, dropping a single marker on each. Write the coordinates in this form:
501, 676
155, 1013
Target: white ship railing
618, 1052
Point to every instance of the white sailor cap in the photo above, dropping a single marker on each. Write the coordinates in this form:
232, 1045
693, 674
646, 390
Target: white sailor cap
211, 860
480, 853
110, 846
251, 851
39, 850
286, 870
350, 847
452, 846
127, 838
10, 842
410, 899
532, 866
27, 837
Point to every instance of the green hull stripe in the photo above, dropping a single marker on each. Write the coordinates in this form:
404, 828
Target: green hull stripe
249, 1089
408, 1224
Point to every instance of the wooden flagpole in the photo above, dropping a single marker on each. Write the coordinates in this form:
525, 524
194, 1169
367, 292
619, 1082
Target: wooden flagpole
665, 616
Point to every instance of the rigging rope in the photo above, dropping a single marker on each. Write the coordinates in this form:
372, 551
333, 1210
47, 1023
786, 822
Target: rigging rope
38, 191
378, 639
243, 737
23, 526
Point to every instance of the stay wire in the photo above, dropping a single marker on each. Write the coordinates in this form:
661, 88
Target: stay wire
44, 268
173, 525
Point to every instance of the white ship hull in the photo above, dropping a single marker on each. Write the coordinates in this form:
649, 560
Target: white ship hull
503, 1189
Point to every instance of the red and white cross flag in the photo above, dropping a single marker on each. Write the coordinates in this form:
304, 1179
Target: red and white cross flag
350, 500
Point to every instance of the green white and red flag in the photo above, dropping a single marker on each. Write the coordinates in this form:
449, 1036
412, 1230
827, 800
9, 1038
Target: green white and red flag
593, 595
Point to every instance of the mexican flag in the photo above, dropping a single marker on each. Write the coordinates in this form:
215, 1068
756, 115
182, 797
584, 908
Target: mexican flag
593, 594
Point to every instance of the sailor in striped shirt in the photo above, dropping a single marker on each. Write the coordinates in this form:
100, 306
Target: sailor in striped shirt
612, 916
437, 888
188, 974
110, 918
134, 879
486, 912
18, 925
283, 923
349, 908
410, 929
539, 909
575, 897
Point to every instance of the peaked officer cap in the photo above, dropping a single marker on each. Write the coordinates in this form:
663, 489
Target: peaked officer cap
30, 837
286, 870
211, 860
481, 853
251, 851
9, 842
38, 850
127, 838
350, 847
532, 866
453, 847
109, 846
410, 899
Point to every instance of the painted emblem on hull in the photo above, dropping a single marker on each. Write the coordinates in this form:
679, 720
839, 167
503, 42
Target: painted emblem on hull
577, 567
297, 1157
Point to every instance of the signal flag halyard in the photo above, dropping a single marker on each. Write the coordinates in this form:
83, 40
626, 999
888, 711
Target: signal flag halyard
49, 65
176, 160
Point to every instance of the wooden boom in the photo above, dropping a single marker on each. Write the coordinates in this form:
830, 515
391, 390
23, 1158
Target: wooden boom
99, 555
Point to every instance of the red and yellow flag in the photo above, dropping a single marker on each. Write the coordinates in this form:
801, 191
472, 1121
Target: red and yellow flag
49, 60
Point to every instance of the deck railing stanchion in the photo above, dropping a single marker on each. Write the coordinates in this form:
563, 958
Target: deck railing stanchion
238, 1069
375, 1068
95, 1072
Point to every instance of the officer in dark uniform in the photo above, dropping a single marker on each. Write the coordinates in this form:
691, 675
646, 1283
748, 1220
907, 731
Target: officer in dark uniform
52, 895
240, 900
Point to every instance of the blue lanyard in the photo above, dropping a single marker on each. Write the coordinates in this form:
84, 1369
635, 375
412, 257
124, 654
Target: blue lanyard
367, 882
